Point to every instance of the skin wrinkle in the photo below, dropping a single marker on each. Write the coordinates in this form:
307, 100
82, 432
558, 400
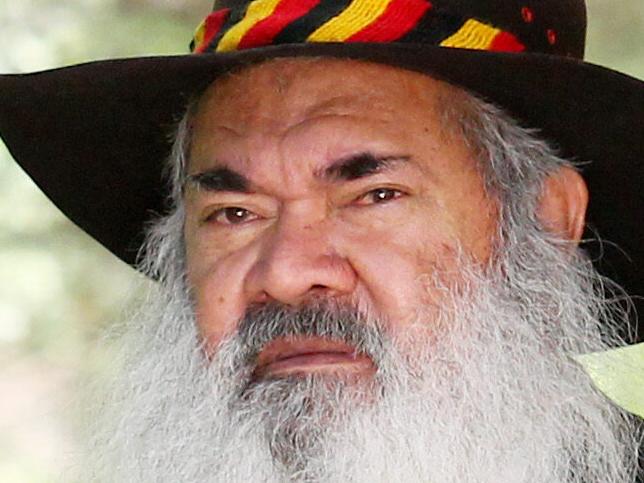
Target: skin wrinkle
458, 395
445, 247
275, 133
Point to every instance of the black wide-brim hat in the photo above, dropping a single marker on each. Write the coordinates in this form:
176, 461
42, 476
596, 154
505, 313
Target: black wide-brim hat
95, 137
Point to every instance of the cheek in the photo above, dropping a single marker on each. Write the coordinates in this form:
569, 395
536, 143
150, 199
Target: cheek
392, 263
216, 283
470, 213
475, 224
214, 313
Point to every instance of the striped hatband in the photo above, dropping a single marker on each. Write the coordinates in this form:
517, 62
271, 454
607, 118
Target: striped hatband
259, 23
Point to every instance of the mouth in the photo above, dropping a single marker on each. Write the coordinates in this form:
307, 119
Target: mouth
305, 355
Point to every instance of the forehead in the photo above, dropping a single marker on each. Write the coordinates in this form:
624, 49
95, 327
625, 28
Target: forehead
277, 95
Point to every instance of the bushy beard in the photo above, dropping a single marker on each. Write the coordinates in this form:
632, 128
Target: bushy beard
487, 391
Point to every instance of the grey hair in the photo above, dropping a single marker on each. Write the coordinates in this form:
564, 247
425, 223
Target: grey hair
551, 304
512, 160
513, 163
162, 256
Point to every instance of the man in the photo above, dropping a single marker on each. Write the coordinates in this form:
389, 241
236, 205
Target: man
366, 272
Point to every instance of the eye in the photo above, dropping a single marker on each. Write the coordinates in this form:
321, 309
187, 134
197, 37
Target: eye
232, 215
379, 195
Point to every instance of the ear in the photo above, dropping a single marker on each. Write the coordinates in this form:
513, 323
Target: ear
563, 202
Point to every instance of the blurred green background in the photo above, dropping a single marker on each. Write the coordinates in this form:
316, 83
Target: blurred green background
59, 289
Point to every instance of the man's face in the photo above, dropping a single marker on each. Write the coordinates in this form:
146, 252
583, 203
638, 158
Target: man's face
327, 180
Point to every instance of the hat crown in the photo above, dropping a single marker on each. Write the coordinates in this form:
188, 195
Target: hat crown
555, 27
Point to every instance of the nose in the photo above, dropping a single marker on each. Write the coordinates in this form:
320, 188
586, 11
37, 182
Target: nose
297, 262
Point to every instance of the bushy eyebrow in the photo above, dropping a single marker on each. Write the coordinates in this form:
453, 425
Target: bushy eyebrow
220, 179
360, 165
351, 168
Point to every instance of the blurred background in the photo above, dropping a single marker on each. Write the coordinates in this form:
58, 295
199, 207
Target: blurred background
58, 288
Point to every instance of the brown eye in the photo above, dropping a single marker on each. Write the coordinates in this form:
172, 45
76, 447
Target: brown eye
232, 215
379, 195
383, 194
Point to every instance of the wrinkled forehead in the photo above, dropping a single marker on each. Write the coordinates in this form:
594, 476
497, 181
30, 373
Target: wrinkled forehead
283, 92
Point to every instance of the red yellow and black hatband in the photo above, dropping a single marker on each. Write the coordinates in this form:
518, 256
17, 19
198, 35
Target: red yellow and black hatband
270, 22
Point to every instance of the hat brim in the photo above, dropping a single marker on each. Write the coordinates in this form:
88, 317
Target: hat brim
95, 137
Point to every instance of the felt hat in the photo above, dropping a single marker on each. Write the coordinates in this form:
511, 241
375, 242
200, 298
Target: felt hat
95, 137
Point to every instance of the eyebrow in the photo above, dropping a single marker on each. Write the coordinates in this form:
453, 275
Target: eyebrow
351, 168
360, 165
220, 179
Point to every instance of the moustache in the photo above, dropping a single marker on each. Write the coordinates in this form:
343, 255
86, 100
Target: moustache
344, 324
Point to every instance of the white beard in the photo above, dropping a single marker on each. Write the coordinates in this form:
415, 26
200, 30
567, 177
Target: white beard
486, 393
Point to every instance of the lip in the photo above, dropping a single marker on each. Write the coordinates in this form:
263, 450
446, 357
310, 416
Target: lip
286, 356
